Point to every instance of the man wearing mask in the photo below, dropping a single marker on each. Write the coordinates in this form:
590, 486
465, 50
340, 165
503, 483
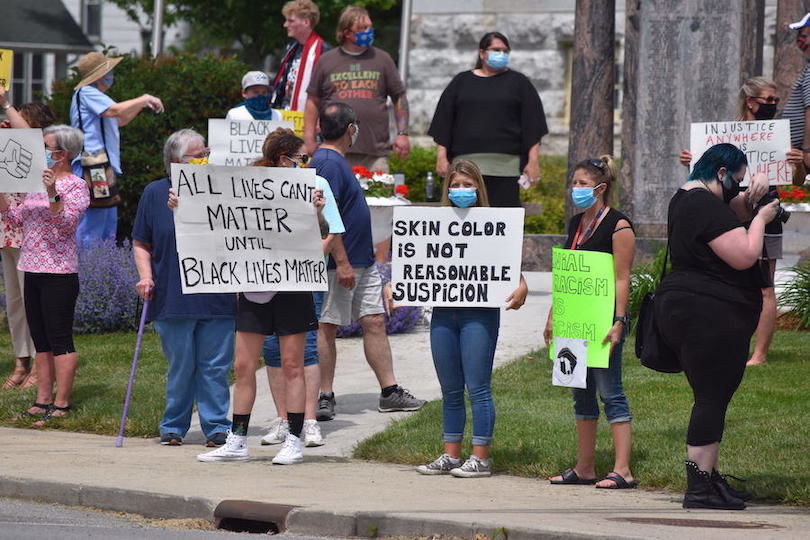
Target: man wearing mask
298, 62
256, 91
364, 77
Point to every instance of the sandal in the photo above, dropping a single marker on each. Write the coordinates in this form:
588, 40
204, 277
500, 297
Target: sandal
618, 482
30, 381
46, 409
17, 378
570, 477
51, 414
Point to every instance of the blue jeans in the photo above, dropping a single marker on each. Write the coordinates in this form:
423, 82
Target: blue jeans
463, 341
200, 354
97, 224
609, 383
272, 352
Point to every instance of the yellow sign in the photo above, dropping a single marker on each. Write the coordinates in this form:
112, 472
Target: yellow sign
297, 118
6, 57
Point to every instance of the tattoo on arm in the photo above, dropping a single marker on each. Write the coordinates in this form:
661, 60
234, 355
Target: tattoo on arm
402, 113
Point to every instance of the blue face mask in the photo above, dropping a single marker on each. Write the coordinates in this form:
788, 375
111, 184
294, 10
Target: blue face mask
258, 103
364, 38
463, 197
583, 197
49, 161
497, 59
108, 79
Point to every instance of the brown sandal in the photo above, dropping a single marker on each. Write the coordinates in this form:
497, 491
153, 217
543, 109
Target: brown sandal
17, 378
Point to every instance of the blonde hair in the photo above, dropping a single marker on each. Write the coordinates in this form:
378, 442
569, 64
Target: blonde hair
470, 170
750, 89
602, 171
349, 16
305, 9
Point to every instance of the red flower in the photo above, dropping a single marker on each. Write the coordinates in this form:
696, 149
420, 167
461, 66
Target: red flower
403, 190
359, 170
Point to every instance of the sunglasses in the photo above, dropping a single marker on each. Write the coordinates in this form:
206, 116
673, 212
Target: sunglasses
769, 99
302, 158
598, 163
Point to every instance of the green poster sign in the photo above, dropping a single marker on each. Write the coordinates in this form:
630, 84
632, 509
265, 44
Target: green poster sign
584, 298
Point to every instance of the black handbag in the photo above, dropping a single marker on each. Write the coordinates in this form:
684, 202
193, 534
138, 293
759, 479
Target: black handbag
650, 348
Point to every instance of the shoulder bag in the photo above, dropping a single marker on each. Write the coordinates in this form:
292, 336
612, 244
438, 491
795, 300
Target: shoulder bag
97, 170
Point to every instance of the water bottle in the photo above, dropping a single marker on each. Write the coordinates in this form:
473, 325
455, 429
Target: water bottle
429, 186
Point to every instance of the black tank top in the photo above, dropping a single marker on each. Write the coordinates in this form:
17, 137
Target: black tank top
602, 237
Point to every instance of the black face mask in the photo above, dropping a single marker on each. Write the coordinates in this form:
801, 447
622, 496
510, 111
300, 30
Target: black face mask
731, 188
766, 111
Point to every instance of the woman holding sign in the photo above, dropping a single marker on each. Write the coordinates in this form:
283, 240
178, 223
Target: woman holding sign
601, 228
463, 342
708, 307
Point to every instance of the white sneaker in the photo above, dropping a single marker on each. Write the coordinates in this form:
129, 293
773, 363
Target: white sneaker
290, 452
278, 432
312, 433
234, 449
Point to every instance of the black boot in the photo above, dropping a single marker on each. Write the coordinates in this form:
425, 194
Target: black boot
701, 492
722, 485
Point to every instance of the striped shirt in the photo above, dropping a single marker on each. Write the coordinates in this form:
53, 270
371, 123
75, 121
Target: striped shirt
797, 102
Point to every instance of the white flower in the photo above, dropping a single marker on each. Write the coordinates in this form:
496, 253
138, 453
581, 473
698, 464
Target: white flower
385, 178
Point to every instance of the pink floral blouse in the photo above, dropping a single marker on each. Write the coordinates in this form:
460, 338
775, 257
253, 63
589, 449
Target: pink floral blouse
11, 236
49, 241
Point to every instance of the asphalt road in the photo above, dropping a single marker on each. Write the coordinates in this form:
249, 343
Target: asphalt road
24, 520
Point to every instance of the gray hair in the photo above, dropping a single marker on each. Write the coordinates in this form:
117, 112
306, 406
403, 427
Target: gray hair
176, 146
69, 139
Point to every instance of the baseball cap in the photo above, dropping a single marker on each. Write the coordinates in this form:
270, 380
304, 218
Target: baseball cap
802, 23
253, 78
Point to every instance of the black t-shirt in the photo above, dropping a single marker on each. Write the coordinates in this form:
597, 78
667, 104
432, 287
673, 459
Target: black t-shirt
500, 114
696, 217
602, 237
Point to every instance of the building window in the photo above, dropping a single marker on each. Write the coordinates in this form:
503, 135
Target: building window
91, 19
29, 77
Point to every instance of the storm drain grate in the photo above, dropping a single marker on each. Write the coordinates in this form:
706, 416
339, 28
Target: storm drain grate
703, 523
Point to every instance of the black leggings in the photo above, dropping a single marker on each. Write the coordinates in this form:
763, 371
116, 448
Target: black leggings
50, 300
711, 338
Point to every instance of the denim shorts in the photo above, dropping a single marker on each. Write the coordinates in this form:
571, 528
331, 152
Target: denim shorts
609, 383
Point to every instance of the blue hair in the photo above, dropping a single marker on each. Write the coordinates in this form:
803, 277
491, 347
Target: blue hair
718, 156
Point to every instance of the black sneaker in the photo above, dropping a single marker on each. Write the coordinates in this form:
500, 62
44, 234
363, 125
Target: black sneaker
326, 406
400, 400
171, 439
217, 439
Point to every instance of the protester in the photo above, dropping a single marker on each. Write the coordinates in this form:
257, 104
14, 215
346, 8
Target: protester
49, 257
196, 330
708, 305
288, 151
462, 341
99, 117
256, 106
493, 117
758, 101
604, 229
798, 102
288, 315
373, 77
355, 286
23, 375
290, 85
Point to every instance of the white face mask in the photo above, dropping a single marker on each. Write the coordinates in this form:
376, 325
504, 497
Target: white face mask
355, 134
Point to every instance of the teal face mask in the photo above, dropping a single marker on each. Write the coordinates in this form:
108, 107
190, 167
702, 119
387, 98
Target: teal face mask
497, 59
463, 197
583, 197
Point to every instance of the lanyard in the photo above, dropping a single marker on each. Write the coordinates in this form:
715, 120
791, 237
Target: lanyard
576, 244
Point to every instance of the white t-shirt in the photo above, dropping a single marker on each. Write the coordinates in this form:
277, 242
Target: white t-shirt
241, 113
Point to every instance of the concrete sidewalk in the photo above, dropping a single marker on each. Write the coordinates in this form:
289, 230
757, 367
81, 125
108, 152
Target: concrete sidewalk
330, 494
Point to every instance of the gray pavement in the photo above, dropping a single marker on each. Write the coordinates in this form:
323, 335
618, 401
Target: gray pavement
331, 494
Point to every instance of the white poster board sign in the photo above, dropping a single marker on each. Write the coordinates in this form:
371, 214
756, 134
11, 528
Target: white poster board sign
570, 362
238, 143
247, 229
22, 158
456, 256
764, 142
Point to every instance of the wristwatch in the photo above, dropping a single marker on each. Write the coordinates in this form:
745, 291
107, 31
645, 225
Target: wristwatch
624, 319
402, 132
7, 106
55, 199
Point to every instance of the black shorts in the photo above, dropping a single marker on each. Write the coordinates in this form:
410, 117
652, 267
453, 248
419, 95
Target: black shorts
286, 314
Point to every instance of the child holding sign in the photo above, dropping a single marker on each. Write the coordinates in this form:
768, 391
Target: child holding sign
601, 228
463, 341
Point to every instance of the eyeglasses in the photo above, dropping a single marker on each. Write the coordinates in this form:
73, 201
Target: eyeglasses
204, 153
598, 163
298, 158
53, 148
768, 99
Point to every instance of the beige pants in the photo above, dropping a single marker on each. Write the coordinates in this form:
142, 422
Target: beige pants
372, 163
15, 304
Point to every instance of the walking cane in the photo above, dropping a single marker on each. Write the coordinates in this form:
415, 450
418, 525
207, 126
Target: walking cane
119, 442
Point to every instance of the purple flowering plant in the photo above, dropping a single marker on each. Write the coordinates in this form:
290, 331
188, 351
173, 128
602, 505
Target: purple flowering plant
402, 319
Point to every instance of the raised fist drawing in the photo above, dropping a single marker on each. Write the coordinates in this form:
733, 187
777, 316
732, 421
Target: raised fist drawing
15, 159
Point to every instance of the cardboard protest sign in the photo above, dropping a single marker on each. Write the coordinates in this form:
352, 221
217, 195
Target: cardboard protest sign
297, 118
247, 229
6, 67
456, 256
764, 142
570, 363
238, 143
22, 158
583, 297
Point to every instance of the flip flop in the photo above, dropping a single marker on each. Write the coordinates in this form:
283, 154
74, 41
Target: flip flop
618, 482
570, 477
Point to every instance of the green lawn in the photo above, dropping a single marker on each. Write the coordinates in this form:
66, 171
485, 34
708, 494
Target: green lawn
766, 438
